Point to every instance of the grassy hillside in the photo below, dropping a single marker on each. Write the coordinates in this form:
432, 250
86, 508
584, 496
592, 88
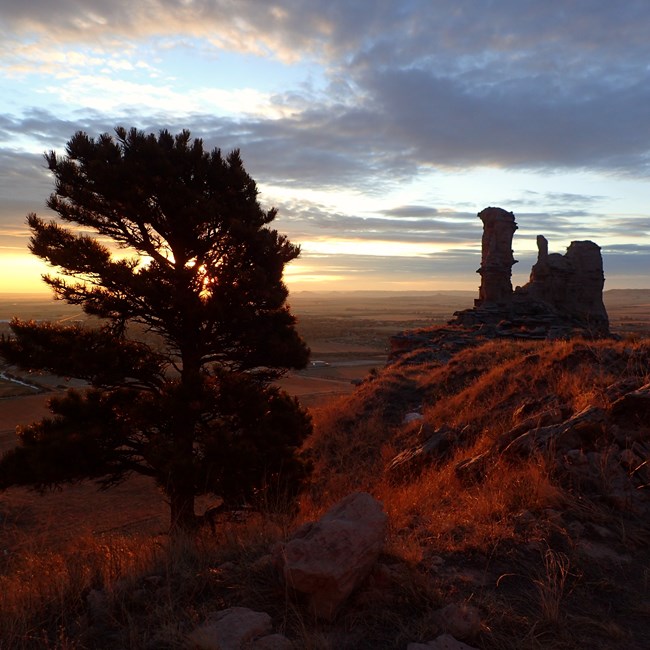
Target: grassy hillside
515, 478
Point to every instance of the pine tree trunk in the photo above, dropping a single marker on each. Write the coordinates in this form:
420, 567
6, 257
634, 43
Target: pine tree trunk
181, 487
181, 505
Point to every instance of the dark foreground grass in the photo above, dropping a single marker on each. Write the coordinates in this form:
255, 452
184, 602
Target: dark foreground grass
549, 566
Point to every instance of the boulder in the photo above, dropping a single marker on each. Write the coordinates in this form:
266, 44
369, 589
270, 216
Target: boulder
443, 642
230, 629
272, 642
328, 559
459, 619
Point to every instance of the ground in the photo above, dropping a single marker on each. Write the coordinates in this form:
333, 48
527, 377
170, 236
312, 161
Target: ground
512, 567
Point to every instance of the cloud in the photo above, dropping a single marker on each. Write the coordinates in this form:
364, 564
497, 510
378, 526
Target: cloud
411, 87
305, 219
401, 92
397, 32
526, 123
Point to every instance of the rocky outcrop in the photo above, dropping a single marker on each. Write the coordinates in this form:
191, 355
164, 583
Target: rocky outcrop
601, 452
562, 298
496, 257
435, 448
571, 284
328, 559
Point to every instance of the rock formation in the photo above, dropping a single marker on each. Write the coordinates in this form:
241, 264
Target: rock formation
572, 284
496, 257
563, 296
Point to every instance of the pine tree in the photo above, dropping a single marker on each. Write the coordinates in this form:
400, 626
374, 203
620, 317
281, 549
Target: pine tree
170, 249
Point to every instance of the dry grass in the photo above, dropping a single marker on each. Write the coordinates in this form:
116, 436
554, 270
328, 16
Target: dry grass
126, 591
503, 544
517, 509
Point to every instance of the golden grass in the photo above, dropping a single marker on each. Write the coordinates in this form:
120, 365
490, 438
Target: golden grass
123, 591
153, 591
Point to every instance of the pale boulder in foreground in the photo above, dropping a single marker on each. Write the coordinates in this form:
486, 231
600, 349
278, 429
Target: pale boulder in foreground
329, 558
443, 642
231, 629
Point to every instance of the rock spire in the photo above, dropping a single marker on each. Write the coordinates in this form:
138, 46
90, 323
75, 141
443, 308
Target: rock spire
564, 293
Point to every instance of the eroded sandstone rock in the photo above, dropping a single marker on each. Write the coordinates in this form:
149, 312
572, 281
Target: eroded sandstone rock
572, 284
562, 298
496, 257
329, 558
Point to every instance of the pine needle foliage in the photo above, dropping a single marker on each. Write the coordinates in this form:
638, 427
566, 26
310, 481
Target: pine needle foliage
158, 235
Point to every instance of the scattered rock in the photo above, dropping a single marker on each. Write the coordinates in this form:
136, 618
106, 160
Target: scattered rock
576, 529
634, 405
629, 459
601, 552
272, 642
584, 426
98, 608
443, 642
231, 629
622, 387
436, 447
154, 581
329, 558
459, 619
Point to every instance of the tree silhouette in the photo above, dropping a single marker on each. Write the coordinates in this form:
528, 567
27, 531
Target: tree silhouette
194, 327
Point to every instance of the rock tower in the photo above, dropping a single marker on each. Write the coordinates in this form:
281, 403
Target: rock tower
564, 293
496, 257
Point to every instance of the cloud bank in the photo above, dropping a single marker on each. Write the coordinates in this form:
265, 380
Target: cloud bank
381, 96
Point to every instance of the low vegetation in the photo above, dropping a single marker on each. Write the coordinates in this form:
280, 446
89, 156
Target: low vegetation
550, 563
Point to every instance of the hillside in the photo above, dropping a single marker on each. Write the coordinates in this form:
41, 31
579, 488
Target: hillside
515, 482
516, 478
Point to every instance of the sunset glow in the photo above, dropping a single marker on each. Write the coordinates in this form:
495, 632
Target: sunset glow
378, 145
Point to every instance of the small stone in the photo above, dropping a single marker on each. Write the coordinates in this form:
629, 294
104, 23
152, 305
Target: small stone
154, 581
576, 529
577, 457
601, 552
227, 567
443, 642
140, 597
97, 606
230, 629
272, 642
459, 619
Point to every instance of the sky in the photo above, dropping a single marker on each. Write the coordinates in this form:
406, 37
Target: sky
378, 129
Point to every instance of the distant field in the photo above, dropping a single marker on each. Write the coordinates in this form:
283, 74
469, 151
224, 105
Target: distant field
628, 309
